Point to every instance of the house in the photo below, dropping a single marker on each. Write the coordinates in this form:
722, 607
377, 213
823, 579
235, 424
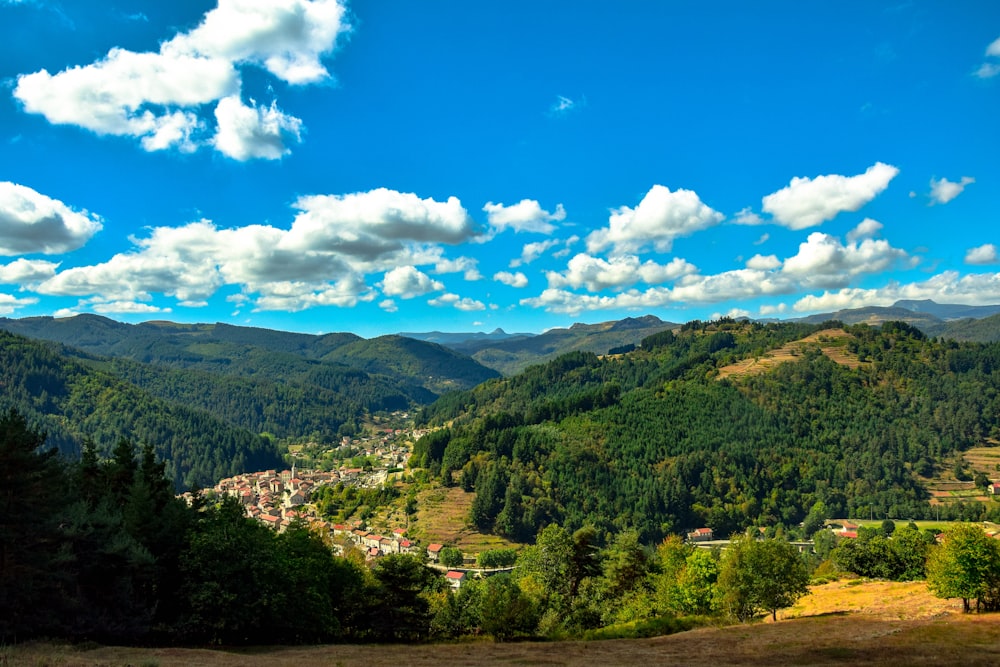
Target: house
700, 535
433, 551
455, 578
994, 488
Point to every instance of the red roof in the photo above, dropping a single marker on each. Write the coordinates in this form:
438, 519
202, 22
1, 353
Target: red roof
454, 574
435, 547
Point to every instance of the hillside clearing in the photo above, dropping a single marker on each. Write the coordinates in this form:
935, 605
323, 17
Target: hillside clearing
831, 342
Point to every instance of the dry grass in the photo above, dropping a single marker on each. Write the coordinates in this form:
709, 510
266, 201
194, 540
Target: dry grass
443, 517
876, 623
831, 342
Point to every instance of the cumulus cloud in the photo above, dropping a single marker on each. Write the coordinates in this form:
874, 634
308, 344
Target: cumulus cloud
746, 216
597, 274
984, 254
10, 303
27, 271
464, 304
763, 262
371, 225
525, 216
809, 202
532, 251
776, 309
946, 287
990, 69
322, 259
943, 190
467, 266
247, 132
388, 305
659, 218
31, 222
513, 279
156, 97
823, 261
866, 229
407, 282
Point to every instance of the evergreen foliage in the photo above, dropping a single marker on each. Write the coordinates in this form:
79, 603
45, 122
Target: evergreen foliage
652, 440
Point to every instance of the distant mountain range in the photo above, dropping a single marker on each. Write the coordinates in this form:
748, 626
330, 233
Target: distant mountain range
204, 394
511, 353
956, 321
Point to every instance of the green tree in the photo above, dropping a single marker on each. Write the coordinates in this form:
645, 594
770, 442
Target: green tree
33, 585
505, 611
401, 611
761, 575
451, 557
966, 565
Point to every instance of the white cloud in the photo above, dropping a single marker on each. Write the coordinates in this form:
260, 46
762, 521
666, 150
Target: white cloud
659, 218
532, 251
464, 304
734, 313
131, 307
947, 287
333, 243
31, 222
984, 254
9, 303
987, 71
22, 271
467, 266
562, 105
248, 132
822, 261
778, 309
407, 282
513, 279
157, 96
809, 202
763, 262
376, 224
762, 240
943, 190
866, 229
746, 216
388, 305
524, 216
597, 274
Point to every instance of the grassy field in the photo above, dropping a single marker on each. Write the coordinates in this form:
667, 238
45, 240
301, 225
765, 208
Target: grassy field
443, 516
841, 623
831, 342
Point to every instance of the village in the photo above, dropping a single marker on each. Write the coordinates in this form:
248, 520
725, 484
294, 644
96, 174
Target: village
279, 498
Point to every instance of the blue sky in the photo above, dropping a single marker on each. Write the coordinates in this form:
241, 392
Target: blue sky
382, 166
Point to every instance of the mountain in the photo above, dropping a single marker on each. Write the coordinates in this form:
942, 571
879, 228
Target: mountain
458, 338
419, 369
948, 311
516, 353
668, 437
252, 381
72, 398
971, 323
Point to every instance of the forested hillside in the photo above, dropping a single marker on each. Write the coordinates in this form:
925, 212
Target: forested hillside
654, 440
417, 369
73, 401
